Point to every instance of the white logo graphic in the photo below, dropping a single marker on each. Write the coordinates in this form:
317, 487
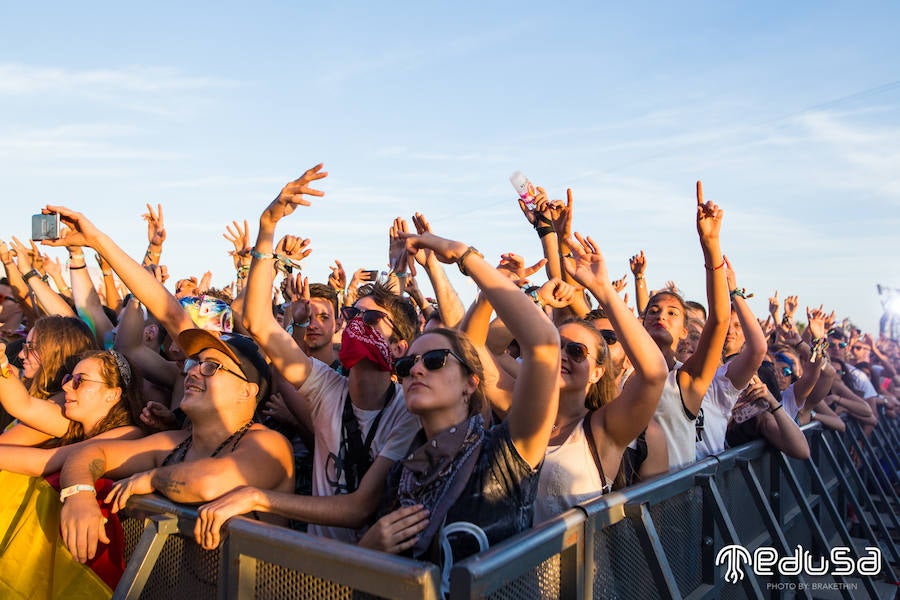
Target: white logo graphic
733, 554
839, 562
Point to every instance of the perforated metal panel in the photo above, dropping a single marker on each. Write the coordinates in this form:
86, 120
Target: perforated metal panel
540, 582
183, 570
133, 529
274, 582
745, 516
679, 521
620, 570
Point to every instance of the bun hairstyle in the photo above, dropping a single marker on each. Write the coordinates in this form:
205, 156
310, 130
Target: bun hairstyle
461, 345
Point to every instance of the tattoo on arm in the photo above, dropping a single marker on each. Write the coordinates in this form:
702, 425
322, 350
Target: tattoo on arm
97, 468
167, 486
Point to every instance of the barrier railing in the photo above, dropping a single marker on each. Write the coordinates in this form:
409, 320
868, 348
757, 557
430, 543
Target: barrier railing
659, 539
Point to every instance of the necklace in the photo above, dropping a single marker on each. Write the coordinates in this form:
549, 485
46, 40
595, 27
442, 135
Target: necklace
236, 436
559, 427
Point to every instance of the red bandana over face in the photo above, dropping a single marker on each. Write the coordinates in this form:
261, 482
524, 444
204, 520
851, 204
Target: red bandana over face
362, 342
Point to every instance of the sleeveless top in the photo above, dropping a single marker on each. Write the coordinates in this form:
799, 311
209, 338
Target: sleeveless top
676, 422
567, 477
178, 453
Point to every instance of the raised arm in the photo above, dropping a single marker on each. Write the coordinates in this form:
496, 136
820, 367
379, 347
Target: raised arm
698, 371
536, 394
449, 304
287, 357
144, 285
51, 302
638, 265
42, 415
87, 302
156, 234
742, 367
626, 416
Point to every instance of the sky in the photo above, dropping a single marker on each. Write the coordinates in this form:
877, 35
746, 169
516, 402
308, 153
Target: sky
788, 112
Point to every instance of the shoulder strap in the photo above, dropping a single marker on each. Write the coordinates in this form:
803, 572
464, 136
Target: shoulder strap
357, 459
586, 426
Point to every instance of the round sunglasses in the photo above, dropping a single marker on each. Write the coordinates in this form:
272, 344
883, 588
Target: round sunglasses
369, 317
431, 360
77, 379
208, 368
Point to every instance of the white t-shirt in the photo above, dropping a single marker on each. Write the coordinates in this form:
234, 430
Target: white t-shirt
789, 401
326, 390
569, 476
677, 426
717, 404
861, 384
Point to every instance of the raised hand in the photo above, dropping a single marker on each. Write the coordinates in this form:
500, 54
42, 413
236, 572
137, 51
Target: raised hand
774, 305
205, 282
586, 265
161, 272
361, 276
397, 256
338, 278
638, 263
561, 215
5, 253
53, 267
620, 284
79, 230
292, 195
240, 239
37, 259
515, 265
293, 248
730, 277
709, 217
790, 307
557, 293
815, 319
299, 297
156, 229
23, 255
422, 226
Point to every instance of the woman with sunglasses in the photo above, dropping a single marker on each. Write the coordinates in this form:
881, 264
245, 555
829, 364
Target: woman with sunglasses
595, 422
460, 476
51, 349
102, 401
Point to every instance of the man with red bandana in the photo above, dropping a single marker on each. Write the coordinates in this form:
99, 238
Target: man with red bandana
360, 420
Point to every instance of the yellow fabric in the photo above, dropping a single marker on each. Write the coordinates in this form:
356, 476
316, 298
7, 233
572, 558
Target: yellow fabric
34, 562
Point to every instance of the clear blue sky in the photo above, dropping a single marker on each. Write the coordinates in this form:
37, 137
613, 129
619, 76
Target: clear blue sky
787, 111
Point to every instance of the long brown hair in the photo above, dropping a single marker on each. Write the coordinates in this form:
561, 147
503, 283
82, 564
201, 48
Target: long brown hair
116, 371
58, 341
603, 391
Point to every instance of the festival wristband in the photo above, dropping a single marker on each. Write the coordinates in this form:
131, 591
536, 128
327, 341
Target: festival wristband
75, 489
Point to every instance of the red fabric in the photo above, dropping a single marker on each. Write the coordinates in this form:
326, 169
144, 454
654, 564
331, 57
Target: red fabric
109, 561
362, 342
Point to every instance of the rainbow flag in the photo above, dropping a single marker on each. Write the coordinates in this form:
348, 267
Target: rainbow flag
34, 562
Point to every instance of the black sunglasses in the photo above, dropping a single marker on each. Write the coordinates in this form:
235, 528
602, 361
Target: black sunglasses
431, 360
609, 336
208, 368
77, 380
577, 351
369, 317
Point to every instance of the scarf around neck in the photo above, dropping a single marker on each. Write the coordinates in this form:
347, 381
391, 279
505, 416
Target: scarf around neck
435, 474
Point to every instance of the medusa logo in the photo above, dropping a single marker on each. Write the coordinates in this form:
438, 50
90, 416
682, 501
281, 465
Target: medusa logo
765, 561
733, 555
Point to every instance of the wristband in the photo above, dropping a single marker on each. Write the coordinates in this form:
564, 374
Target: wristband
303, 324
533, 292
152, 253
5, 371
30, 274
708, 268
260, 255
107, 273
639, 276
75, 489
543, 231
71, 268
742, 292
772, 411
465, 255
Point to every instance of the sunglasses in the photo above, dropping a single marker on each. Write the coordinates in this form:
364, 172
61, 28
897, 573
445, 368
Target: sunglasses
787, 371
77, 379
609, 336
842, 344
369, 317
432, 360
208, 368
578, 352
30, 347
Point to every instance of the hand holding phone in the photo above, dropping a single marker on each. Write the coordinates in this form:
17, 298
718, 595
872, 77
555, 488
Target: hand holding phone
45, 227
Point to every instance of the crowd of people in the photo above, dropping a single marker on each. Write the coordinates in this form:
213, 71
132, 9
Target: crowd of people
364, 412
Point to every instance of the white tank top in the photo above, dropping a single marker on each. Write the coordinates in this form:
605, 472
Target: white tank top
675, 423
568, 477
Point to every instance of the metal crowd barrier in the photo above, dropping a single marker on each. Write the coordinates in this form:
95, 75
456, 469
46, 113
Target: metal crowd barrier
658, 539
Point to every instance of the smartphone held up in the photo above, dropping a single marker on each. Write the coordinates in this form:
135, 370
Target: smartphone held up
45, 227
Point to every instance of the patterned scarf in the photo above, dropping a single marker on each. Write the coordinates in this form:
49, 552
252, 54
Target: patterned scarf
436, 473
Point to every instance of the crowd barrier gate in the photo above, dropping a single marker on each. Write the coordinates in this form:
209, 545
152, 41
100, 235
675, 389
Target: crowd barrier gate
658, 539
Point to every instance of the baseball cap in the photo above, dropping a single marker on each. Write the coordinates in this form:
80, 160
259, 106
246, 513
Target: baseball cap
239, 348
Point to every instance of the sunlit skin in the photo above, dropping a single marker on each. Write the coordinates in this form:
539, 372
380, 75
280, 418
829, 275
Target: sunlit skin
438, 397
688, 345
578, 376
784, 381
93, 398
322, 324
31, 361
202, 394
665, 322
734, 339
383, 326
